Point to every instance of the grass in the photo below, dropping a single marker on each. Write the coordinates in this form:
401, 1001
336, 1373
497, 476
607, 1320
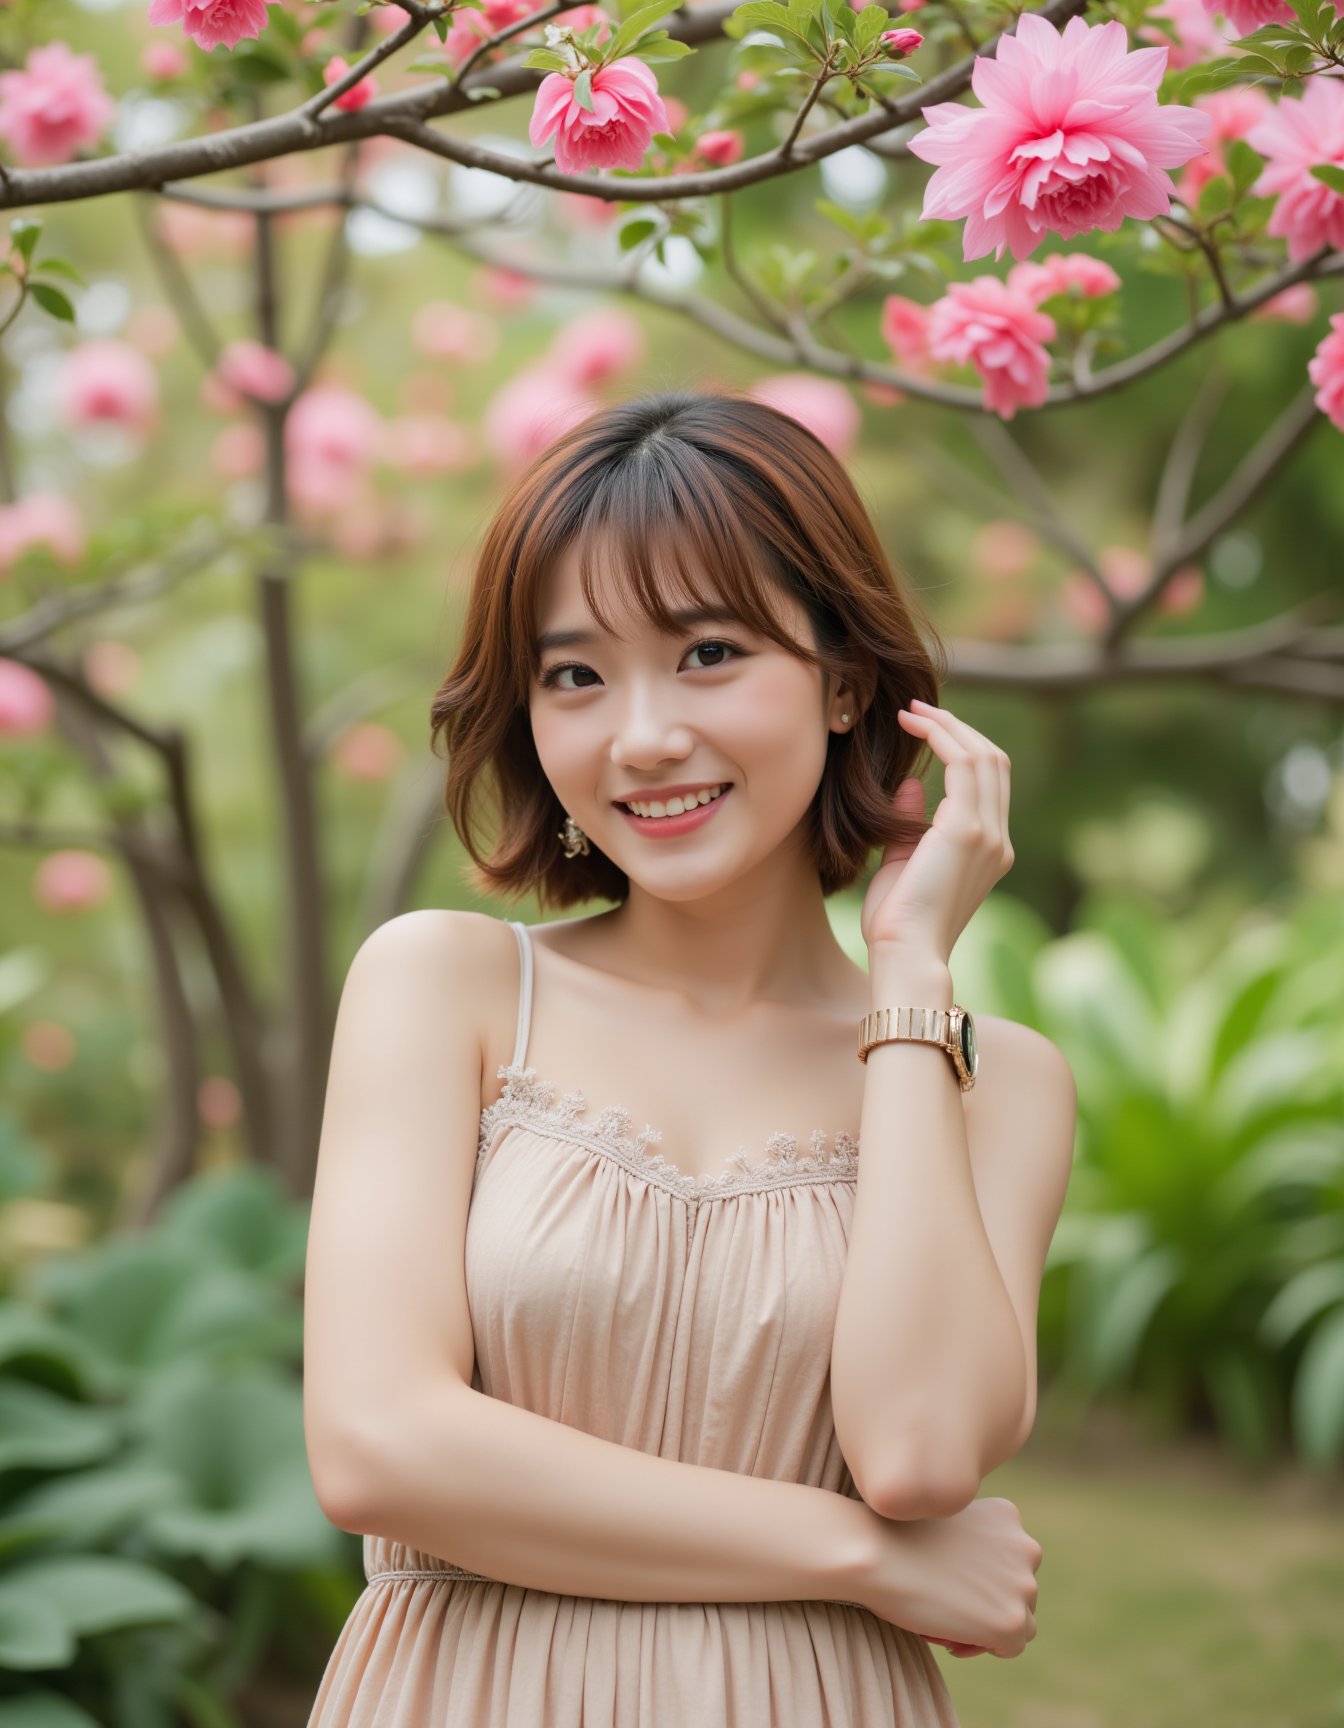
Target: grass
1175, 1591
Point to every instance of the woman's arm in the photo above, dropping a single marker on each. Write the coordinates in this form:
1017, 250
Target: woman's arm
504, 1491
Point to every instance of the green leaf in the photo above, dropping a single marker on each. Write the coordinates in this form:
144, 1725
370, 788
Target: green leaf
59, 267
1318, 1393
583, 90
1243, 164
52, 300
547, 60
633, 28
25, 231
1311, 13
441, 29
668, 50
630, 235
869, 24
1215, 195
1330, 175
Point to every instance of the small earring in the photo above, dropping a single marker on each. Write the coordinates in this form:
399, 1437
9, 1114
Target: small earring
573, 838
845, 718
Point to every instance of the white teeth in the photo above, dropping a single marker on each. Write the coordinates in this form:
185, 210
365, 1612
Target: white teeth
676, 806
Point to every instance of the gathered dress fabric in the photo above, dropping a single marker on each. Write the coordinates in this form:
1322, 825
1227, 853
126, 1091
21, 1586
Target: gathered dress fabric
688, 1316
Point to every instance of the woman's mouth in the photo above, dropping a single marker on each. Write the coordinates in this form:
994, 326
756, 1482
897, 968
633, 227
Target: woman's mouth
670, 826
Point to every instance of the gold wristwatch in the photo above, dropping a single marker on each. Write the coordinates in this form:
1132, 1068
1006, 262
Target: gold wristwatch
952, 1029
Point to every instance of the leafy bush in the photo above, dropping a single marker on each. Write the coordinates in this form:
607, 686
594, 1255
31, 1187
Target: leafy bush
162, 1555
1199, 1261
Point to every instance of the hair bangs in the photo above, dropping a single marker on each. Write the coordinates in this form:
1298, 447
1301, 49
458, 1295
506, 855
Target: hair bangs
667, 546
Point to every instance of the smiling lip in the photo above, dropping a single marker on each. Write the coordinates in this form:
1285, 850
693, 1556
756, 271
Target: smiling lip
670, 826
663, 793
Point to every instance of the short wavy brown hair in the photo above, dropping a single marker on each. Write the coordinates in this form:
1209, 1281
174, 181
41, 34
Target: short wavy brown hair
673, 485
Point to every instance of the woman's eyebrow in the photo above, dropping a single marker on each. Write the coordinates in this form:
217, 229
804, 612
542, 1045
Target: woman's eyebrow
687, 616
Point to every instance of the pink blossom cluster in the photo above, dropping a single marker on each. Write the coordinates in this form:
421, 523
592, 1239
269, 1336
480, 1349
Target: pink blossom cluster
109, 383
213, 23
40, 519
1326, 371
1245, 16
997, 327
1296, 135
544, 400
1069, 138
54, 107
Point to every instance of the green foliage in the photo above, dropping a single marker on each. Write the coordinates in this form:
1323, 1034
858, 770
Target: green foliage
1200, 1258
156, 1506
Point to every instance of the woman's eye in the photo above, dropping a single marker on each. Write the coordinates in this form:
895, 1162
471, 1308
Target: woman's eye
550, 680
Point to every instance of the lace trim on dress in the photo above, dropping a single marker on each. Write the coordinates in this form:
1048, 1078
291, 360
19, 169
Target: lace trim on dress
532, 1102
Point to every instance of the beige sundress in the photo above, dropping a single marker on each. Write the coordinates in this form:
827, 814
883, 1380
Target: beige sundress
690, 1317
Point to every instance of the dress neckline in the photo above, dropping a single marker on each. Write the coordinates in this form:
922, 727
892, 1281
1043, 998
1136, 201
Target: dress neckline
536, 1103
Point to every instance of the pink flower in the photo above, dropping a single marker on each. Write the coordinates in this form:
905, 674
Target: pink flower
899, 43
446, 331
824, 406
426, 444
358, 94
1233, 113
41, 519
502, 287
332, 437
1297, 136
247, 368
626, 112
596, 346
1326, 371
238, 451
210, 22
367, 751
71, 881
54, 107
905, 330
1061, 273
1004, 549
1295, 305
529, 413
720, 149
386, 19
1070, 138
26, 702
111, 666
1197, 37
163, 60
109, 382
998, 330
578, 18
1247, 15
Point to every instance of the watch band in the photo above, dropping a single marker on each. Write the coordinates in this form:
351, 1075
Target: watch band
919, 1025
950, 1029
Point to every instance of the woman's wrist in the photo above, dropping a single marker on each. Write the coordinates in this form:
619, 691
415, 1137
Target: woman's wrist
897, 978
851, 1564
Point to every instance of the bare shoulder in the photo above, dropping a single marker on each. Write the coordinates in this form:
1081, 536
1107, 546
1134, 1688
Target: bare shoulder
1017, 1061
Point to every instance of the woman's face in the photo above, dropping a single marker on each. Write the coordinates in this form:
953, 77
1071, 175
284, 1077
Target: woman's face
716, 704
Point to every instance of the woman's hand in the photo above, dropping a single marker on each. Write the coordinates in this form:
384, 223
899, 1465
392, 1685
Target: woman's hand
968, 1581
921, 898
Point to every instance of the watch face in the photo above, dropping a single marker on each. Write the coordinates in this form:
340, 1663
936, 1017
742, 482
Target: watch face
968, 1050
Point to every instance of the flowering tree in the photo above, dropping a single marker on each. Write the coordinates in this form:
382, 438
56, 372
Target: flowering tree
1203, 143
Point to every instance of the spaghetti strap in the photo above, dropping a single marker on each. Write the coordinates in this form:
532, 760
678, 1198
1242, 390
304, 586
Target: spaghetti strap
524, 936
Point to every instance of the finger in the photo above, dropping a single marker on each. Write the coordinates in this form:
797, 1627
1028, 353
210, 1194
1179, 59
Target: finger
977, 740
969, 775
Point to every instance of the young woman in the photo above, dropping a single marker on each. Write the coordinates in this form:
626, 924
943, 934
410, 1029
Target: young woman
658, 1403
